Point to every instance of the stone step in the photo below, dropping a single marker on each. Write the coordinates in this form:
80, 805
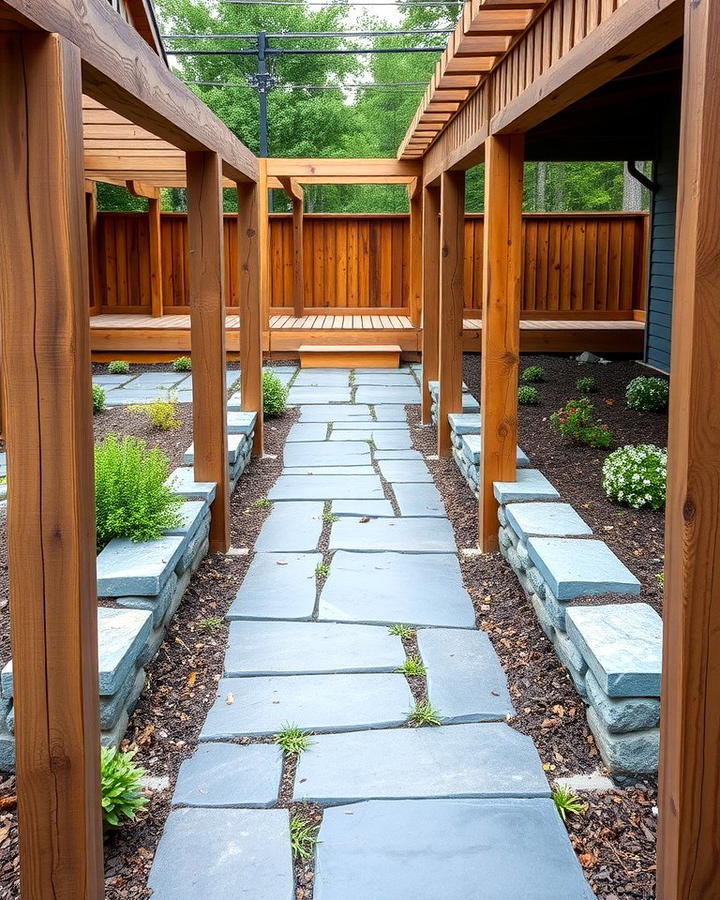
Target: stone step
465, 680
256, 707
454, 850
277, 586
385, 588
529, 484
310, 648
545, 520
421, 535
291, 527
220, 853
327, 487
479, 760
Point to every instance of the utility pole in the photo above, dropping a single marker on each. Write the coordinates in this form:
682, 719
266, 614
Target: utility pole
262, 82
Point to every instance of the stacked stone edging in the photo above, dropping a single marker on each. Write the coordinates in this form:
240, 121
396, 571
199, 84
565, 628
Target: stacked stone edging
241, 433
612, 652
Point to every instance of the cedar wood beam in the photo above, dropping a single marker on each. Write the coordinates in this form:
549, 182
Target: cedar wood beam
121, 71
348, 168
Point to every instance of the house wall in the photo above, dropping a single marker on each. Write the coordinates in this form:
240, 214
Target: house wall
662, 240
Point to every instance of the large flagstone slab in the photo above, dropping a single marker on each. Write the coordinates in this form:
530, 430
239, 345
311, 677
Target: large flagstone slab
545, 520
326, 453
326, 394
329, 470
359, 509
398, 378
378, 394
404, 470
307, 431
480, 760
419, 500
264, 705
327, 487
277, 586
397, 454
420, 535
310, 648
291, 527
390, 412
386, 588
227, 775
353, 425
322, 378
454, 850
392, 440
335, 412
158, 379
125, 567
220, 853
465, 680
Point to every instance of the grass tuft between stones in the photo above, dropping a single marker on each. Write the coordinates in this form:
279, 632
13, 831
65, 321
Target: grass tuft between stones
401, 631
303, 838
567, 803
413, 665
423, 713
293, 740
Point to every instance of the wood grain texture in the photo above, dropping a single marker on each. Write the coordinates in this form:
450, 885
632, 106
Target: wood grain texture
51, 517
155, 257
250, 323
415, 261
452, 218
207, 327
501, 324
689, 819
430, 296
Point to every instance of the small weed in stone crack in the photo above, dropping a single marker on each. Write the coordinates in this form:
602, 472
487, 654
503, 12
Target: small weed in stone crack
403, 631
303, 837
322, 570
413, 665
567, 803
423, 713
293, 740
309, 818
262, 503
211, 623
329, 518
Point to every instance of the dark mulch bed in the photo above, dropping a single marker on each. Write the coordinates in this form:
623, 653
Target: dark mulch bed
182, 679
636, 536
615, 837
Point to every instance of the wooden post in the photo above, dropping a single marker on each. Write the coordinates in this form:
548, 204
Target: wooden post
502, 273
416, 255
207, 335
92, 244
298, 266
156, 298
248, 251
44, 302
452, 226
688, 829
430, 294
264, 249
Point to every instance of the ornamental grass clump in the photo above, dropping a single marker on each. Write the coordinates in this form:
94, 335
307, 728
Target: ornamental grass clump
575, 423
131, 498
98, 398
120, 782
527, 395
162, 414
274, 394
636, 476
647, 394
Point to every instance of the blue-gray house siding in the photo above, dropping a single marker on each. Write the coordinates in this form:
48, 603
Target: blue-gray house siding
662, 242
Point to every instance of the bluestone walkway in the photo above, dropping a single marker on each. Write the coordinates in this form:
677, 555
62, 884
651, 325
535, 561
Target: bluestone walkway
459, 811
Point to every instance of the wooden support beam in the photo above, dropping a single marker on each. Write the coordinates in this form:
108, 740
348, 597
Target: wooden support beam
91, 221
207, 335
690, 696
139, 189
452, 239
430, 294
51, 541
416, 258
502, 274
321, 168
156, 282
264, 245
296, 195
250, 314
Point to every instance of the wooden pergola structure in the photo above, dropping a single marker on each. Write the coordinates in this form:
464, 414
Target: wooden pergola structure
87, 96
85, 93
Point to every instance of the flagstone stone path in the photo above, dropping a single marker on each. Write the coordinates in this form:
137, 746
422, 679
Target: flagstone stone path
460, 811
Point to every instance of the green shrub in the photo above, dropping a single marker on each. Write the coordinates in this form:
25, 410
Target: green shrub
162, 414
182, 364
119, 367
636, 475
647, 394
131, 497
532, 375
576, 424
527, 396
586, 384
119, 787
98, 398
274, 394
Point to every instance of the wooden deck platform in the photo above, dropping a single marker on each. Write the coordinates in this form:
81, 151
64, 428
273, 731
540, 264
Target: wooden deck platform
145, 337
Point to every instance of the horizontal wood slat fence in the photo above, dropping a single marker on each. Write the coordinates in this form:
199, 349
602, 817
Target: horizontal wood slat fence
576, 265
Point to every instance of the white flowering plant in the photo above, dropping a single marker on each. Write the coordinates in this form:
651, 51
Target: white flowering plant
647, 394
635, 475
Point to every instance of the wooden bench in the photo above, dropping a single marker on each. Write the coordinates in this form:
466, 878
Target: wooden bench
350, 356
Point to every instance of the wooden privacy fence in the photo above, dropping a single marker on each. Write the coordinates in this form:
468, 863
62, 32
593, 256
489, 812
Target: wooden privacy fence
576, 265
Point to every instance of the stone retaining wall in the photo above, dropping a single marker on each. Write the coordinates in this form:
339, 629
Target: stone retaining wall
142, 585
612, 652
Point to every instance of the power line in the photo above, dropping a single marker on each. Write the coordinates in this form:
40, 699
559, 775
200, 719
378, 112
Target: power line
330, 5
301, 51
306, 34
385, 85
